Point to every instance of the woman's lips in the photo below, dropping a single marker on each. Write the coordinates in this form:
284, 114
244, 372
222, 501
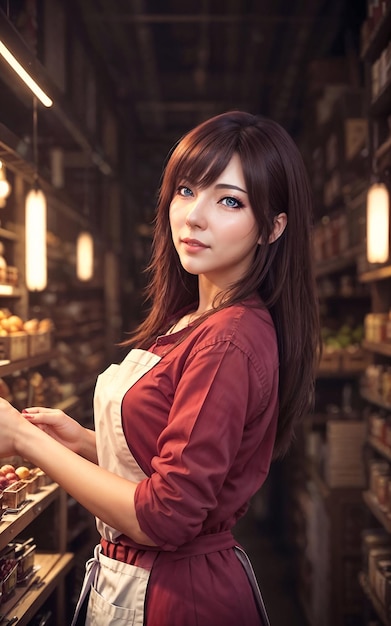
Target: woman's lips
193, 244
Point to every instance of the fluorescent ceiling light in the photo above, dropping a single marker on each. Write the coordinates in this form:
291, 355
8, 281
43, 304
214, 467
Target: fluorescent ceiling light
21, 72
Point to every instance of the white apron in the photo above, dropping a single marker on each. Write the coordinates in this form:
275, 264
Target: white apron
114, 586
117, 590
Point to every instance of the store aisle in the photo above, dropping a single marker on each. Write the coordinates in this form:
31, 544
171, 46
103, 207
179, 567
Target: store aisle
273, 569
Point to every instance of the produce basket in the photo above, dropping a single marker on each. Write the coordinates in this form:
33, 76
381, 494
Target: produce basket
32, 484
14, 347
14, 495
39, 342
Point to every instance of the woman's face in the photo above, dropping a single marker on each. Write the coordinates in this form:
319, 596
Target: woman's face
214, 229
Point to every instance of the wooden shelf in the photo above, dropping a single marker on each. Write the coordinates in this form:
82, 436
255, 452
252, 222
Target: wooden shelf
26, 600
23, 364
377, 605
375, 400
378, 348
378, 273
12, 524
372, 504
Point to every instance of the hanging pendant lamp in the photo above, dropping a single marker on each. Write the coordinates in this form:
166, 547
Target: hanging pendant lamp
36, 262
84, 256
36, 266
378, 217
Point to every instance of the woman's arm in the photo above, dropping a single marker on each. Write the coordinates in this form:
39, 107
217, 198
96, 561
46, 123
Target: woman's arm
105, 495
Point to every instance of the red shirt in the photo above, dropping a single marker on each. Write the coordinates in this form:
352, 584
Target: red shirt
202, 423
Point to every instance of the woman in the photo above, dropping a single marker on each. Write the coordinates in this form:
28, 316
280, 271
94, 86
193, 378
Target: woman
220, 372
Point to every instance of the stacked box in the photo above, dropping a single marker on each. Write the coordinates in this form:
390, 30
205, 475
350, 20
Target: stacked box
344, 465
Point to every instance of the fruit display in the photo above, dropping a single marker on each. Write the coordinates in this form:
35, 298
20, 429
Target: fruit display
344, 336
342, 348
11, 474
11, 324
20, 339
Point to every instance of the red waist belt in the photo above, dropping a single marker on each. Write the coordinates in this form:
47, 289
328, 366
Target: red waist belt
203, 544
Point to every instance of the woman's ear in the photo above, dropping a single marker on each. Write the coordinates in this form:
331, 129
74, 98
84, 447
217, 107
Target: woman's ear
279, 224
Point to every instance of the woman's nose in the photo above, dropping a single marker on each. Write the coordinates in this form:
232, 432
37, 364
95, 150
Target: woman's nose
196, 214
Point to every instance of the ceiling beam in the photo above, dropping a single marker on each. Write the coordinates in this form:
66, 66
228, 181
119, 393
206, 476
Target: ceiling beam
145, 18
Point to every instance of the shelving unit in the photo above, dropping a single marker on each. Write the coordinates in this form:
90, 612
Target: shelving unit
327, 584
378, 279
50, 510
50, 569
373, 599
50, 578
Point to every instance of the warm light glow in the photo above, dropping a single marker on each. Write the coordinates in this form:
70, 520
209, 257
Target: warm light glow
85, 256
5, 187
36, 269
378, 216
21, 72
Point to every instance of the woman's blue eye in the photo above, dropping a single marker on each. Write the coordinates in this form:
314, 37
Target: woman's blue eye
232, 203
184, 191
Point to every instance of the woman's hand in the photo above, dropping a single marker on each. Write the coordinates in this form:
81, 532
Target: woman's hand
10, 422
49, 438
57, 424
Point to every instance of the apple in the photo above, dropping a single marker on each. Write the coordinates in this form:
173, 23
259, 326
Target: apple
11, 476
22, 472
3, 483
5, 469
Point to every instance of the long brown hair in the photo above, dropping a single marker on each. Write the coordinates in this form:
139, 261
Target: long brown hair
281, 272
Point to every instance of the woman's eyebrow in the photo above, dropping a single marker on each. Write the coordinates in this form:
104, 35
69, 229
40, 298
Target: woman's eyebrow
227, 186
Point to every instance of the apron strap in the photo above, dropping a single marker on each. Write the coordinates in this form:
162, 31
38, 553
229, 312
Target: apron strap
245, 561
89, 578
